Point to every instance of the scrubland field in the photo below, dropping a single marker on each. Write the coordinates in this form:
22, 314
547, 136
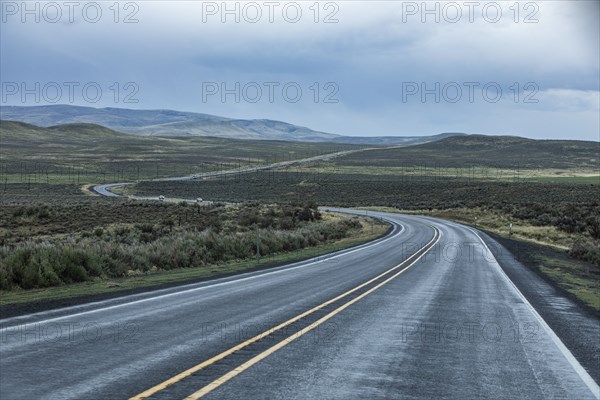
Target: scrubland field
59, 238
90, 245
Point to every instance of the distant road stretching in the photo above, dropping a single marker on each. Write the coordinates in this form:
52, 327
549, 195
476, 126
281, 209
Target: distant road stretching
106, 189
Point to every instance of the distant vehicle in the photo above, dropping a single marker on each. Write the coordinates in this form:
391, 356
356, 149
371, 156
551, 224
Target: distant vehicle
161, 197
199, 200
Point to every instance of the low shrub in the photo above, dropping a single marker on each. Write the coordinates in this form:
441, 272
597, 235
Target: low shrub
586, 250
131, 249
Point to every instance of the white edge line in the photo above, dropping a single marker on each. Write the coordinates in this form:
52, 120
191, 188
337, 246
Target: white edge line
583, 374
281, 269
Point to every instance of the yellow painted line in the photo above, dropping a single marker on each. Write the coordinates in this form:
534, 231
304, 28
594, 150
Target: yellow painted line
226, 353
235, 372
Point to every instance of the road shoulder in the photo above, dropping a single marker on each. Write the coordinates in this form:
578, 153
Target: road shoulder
575, 324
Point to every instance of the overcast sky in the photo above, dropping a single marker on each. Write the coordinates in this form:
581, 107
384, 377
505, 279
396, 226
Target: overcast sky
363, 67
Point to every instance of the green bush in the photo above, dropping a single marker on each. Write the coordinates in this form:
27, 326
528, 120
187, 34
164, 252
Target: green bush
593, 224
586, 250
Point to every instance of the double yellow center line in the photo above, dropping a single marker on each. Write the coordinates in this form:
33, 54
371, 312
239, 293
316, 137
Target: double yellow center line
413, 259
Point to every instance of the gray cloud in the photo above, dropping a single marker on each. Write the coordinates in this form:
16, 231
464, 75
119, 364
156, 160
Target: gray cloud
371, 53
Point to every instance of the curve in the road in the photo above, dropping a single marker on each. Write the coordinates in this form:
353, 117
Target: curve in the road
387, 344
376, 283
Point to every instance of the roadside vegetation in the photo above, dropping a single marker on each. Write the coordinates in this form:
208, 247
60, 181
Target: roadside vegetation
560, 214
573, 228
46, 246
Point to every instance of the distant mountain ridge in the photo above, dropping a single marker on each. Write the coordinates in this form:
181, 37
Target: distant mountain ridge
23, 141
177, 123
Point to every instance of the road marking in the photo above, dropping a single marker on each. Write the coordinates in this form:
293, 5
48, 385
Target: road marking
204, 364
238, 370
583, 374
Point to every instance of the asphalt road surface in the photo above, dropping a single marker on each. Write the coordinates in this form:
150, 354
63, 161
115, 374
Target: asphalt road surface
424, 313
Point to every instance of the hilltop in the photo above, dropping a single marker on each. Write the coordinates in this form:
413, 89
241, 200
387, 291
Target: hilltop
485, 151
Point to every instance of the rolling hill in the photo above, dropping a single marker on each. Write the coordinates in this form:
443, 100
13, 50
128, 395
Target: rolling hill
98, 152
92, 143
176, 123
485, 151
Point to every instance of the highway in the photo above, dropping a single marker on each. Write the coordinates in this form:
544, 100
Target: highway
106, 189
426, 312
